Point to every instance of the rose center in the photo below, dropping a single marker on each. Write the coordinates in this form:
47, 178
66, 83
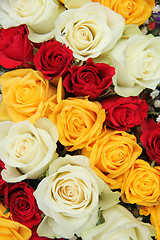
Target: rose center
129, 6
24, 93
84, 33
68, 192
76, 123
21, 147
149, 61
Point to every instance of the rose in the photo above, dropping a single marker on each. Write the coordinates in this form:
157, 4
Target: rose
10, 229
137, 63
154, 213
111, 155
39, 16
124, 113
15, 47
77, 120
89, 30
20, 200
134, 11
120, 224
142, 185
72, 195
25, 93
53, 59
91, 79
27, 149
150, 139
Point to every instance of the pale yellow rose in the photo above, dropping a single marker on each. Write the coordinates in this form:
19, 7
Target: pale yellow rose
11, 230
89, 30
72, 196
26, 149
142, 185
134, 11
111, 155
25, 95
137, 64
38, 15
78, 120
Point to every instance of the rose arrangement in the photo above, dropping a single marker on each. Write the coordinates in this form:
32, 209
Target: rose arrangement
80, 119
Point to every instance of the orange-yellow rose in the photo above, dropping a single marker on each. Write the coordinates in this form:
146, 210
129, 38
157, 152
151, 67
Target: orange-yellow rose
134, 11
142, 185
112, 154
154, 213
25, 93
11, 230
78, 120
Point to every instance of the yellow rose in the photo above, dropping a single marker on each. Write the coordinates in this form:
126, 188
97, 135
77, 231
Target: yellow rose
10, 230
134, 11
25, 94
154, 213
77, 120
142, 185
112, 154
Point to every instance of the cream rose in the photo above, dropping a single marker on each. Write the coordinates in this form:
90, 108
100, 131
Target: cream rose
137, 63
27, 149
72, 195
38, 15
89, 30
120, 224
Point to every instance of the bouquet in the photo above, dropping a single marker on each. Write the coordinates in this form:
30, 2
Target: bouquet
80, 119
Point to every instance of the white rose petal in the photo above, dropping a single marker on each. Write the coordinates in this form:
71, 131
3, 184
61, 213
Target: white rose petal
89, 30
72, 195
120, 224
27, 149
75, 4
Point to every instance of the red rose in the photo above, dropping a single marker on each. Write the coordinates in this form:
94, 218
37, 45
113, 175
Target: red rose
150, 139
124, 113
2, 182
19, 198
90, 79
15, 47
53, 59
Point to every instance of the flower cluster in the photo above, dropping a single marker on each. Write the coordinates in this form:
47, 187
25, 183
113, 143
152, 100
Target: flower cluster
80, 119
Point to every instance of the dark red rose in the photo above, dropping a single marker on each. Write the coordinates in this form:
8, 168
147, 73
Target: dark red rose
53, 59
15, 47
2, 182
124, 113
150, 139
19, 198
90, 79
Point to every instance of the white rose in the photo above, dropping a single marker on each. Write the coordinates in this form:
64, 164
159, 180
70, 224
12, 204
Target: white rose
89, 30
27, 149
72, 195
38, 15
120, 224
137, 64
